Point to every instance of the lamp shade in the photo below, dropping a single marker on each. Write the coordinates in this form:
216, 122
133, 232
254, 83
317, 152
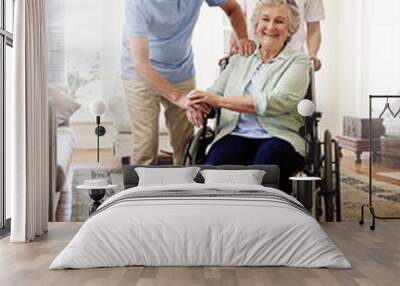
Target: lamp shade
97, 107
306, 107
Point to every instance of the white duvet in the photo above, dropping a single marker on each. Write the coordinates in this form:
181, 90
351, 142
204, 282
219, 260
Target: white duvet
183, 231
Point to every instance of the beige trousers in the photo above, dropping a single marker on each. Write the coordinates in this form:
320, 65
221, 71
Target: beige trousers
144, 110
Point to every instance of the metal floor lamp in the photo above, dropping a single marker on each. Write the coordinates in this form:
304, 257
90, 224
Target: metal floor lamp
97, 187
370, 206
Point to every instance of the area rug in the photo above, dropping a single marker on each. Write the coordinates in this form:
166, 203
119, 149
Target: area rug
392, 175
354, 187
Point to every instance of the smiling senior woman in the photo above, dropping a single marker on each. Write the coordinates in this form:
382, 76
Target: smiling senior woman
258, 97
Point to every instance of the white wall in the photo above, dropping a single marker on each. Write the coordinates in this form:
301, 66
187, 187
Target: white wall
208, 45
350, 61
340, 82
327, 78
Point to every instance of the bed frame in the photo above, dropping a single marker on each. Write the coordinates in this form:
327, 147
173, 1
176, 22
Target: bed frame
271, 177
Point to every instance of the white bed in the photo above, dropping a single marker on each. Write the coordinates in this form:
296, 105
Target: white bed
224, 225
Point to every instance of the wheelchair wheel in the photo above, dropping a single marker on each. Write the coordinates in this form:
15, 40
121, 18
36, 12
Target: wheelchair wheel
337, 191
195, 151
187, 156
328, 177
318, 205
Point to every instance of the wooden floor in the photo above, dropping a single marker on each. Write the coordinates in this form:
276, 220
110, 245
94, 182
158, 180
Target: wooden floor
87, 158
375, 257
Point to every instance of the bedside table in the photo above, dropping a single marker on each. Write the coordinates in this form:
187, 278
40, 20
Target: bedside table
303, 190
97, 189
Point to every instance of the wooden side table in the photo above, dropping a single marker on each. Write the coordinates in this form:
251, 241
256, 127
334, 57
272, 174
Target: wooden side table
359, 145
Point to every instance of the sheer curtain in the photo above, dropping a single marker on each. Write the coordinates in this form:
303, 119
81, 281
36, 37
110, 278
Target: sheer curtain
27, 122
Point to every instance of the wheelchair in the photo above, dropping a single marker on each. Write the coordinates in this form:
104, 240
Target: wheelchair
322, 160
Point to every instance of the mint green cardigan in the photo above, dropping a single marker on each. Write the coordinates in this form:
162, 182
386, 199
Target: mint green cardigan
276, 97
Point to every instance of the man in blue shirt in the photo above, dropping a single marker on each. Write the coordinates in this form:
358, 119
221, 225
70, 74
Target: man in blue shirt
158, 69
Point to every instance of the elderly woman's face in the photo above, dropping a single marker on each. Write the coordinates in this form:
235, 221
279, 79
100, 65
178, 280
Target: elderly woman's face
272, 28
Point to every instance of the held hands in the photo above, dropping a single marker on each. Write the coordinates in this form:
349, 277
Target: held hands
195, 117
199, 104
185, 102
195, 111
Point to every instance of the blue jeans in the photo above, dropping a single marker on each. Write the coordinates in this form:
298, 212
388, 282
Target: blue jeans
237, 150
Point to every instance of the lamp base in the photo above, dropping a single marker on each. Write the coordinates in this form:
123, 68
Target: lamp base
96, 195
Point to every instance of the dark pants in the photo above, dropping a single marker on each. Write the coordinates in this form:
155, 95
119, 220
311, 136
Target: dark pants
236, 150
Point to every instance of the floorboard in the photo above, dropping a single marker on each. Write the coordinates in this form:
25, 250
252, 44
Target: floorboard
375, 257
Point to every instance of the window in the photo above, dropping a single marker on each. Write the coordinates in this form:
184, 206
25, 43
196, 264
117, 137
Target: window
383, 47
6, 43
379, 52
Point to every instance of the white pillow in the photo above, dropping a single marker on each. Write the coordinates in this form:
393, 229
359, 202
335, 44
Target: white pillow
248, 177
163, 176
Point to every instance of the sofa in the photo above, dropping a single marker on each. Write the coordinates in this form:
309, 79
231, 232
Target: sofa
62, 144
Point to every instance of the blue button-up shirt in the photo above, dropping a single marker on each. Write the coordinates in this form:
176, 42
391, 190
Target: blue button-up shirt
168, 25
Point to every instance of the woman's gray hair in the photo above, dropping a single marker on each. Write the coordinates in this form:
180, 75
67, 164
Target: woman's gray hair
294, 16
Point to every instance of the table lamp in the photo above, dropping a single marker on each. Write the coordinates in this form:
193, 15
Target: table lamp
97, 187
303, 185
306, 108
97, 108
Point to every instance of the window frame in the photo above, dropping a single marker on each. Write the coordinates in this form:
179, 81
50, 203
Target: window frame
6, 39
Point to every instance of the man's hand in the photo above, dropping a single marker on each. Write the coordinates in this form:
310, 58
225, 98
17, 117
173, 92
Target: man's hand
233, 10
195, 117
195, 112
314, 42
246, 47
317, 62
182, 102
185, 103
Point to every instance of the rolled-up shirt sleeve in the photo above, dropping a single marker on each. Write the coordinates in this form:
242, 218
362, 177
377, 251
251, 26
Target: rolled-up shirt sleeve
136, 19
314, 11
286, 94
